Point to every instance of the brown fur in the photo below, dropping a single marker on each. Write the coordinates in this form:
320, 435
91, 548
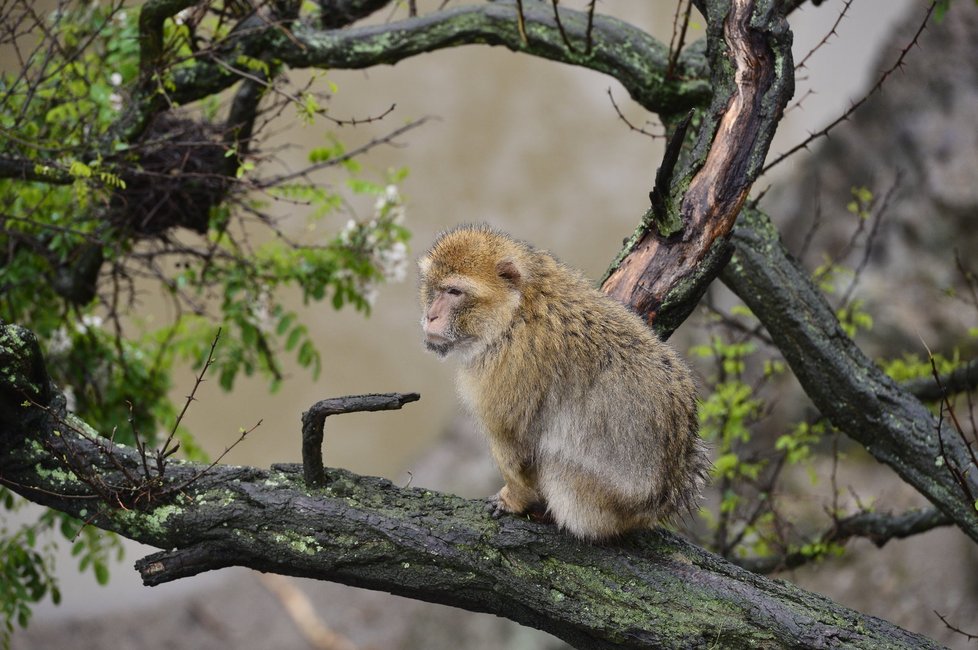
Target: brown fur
586, 410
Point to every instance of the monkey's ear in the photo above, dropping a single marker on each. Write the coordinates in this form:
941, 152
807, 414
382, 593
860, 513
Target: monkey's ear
424, 263
507, 270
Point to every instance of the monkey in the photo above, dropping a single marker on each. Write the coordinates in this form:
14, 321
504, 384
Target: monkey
590, 417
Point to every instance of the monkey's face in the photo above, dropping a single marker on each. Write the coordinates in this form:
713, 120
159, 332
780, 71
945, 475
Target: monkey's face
446, 307
470, 290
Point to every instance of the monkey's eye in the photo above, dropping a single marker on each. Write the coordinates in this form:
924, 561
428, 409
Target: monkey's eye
453, 291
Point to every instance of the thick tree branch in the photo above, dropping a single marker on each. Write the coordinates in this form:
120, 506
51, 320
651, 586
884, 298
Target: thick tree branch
845, 385
649, 590
681, 244
630, 55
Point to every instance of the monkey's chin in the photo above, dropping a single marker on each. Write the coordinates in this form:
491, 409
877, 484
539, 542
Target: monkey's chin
443, 346
440, 347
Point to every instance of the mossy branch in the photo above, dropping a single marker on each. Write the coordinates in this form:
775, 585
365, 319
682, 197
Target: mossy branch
618, 49
650, 590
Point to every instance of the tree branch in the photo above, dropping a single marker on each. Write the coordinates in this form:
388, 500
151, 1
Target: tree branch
845, 385
628, 54
878, 527
681, 245
314, 421
647, 590
960, 380
32, 170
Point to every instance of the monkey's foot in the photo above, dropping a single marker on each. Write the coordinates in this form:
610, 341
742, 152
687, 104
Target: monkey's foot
498, 506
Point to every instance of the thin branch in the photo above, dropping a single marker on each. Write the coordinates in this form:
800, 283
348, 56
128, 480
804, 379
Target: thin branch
879, 528
855, 106
590, 25
636, 129
968, 635
962, 379
560, 26
521, 22
877, 217
165, 449
336, 160
676, 44
825, 39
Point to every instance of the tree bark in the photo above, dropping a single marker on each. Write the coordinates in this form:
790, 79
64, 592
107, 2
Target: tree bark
681, 245
647, 590
844, 384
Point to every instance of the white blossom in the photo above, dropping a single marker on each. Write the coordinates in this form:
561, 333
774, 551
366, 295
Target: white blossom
59, 343
70, 400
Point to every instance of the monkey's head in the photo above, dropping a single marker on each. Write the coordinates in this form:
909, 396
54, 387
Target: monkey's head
471, 281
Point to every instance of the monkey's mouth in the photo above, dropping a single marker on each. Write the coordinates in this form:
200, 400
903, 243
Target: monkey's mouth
438, 344
442, 346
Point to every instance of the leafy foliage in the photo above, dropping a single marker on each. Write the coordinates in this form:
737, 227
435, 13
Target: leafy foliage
105, 212
762, 450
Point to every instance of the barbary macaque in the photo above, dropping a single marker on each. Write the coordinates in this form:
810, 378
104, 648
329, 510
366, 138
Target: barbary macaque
590, 417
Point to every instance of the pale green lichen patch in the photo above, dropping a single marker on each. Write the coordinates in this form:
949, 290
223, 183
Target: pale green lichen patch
58, 476
305, 544
77, 424
152, 522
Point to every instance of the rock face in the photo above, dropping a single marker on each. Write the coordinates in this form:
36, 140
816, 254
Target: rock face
916, 139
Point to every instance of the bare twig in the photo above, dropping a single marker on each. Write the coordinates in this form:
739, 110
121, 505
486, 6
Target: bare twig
678, 38
879, 84
521, 22
621, 116
878, 215
336, 160
165, 450
968, 635
825, 39
560, 26
590, 26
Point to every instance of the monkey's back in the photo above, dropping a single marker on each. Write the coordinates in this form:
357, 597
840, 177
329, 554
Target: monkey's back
606, 412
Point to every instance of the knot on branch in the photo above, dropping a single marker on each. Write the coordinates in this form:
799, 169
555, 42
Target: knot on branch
314, 422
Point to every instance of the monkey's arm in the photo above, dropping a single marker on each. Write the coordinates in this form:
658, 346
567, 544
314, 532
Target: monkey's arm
653, 590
